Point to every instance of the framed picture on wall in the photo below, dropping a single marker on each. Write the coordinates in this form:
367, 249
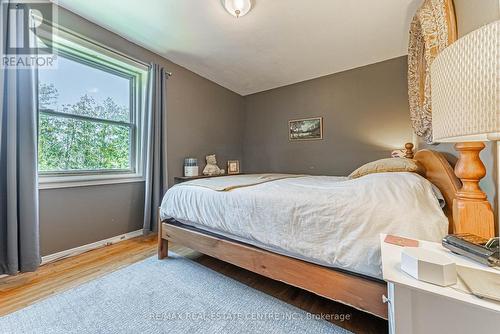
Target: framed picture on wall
305, 129
233, 167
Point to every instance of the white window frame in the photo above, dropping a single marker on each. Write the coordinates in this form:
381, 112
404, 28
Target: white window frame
77, 48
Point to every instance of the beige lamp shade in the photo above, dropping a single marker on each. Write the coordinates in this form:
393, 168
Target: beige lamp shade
465, 86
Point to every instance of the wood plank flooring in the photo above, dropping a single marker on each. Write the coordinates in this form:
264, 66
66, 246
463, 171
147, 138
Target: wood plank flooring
22, 290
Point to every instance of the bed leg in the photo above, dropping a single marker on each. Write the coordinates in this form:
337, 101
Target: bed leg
162, 248
162, 243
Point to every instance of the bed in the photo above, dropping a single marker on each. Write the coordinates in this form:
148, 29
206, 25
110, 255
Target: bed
318, 233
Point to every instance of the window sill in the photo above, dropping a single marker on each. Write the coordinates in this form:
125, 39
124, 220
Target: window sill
57, 182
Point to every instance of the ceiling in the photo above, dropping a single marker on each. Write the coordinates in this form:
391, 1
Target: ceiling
279, 42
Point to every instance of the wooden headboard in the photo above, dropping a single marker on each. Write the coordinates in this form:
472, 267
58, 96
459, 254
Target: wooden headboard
465, 216
439, 171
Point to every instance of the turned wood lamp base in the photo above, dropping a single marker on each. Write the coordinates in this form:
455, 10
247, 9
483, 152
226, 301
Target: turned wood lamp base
471, 209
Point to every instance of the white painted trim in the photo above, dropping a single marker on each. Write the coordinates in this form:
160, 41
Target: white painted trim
89, 247
86, 183
68, 39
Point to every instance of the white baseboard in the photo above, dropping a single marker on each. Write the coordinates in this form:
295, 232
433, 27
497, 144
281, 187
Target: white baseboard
89, 247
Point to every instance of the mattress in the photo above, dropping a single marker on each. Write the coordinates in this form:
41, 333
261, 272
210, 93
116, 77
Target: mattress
331, 221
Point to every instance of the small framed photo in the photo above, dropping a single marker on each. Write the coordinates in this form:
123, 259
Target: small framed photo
305, 129
233, 167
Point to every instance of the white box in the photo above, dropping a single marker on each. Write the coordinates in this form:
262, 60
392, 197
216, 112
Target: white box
191, 171
428, 266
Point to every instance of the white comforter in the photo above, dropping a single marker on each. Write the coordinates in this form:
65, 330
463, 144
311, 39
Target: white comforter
328, 220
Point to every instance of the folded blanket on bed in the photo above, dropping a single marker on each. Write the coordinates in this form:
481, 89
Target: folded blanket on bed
230, 182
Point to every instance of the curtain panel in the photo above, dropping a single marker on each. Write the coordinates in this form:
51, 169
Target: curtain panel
19, 232
156, 146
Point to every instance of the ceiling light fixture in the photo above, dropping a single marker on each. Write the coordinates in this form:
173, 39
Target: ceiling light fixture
237, 8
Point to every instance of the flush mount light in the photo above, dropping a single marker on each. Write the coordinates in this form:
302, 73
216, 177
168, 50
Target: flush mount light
237, 8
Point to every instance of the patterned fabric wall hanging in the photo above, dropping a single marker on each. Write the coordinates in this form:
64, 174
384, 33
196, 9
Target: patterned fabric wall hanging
433, 28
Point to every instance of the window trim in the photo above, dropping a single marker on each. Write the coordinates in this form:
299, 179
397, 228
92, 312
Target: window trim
131, 124
73, 181
85, 118
100, 57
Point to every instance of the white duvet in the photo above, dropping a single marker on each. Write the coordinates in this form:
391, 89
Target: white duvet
328, 220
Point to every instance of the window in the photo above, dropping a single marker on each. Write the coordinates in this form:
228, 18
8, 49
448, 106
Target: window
89, 115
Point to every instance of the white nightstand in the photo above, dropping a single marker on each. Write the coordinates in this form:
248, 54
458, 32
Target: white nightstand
418, 307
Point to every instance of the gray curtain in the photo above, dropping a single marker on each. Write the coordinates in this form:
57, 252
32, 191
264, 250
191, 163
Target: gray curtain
156, 146
19, 237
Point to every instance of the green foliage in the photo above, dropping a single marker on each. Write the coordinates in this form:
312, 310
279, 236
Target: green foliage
74, 144
47, 96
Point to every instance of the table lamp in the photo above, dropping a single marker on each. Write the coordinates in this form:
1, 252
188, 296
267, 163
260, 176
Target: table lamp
465, 86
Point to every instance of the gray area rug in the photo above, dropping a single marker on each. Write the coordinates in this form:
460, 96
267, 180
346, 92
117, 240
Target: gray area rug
175, 295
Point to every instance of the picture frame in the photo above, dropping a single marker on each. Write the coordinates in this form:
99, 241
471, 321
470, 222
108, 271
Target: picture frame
233, 167
305, 129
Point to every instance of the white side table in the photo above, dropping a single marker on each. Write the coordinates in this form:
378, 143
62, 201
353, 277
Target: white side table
417, 307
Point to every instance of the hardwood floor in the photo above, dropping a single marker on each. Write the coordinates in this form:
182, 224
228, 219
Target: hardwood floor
22, 290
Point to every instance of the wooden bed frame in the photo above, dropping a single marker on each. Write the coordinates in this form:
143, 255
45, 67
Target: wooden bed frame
467, 211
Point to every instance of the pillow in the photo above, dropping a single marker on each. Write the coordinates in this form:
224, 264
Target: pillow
388, 165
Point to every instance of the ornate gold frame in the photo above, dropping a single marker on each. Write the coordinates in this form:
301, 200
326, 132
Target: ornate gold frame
433, 28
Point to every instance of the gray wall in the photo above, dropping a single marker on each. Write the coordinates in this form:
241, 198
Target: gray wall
71, 217
365, 114
203, 118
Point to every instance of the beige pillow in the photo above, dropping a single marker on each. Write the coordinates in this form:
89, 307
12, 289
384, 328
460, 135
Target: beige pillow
388, 165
